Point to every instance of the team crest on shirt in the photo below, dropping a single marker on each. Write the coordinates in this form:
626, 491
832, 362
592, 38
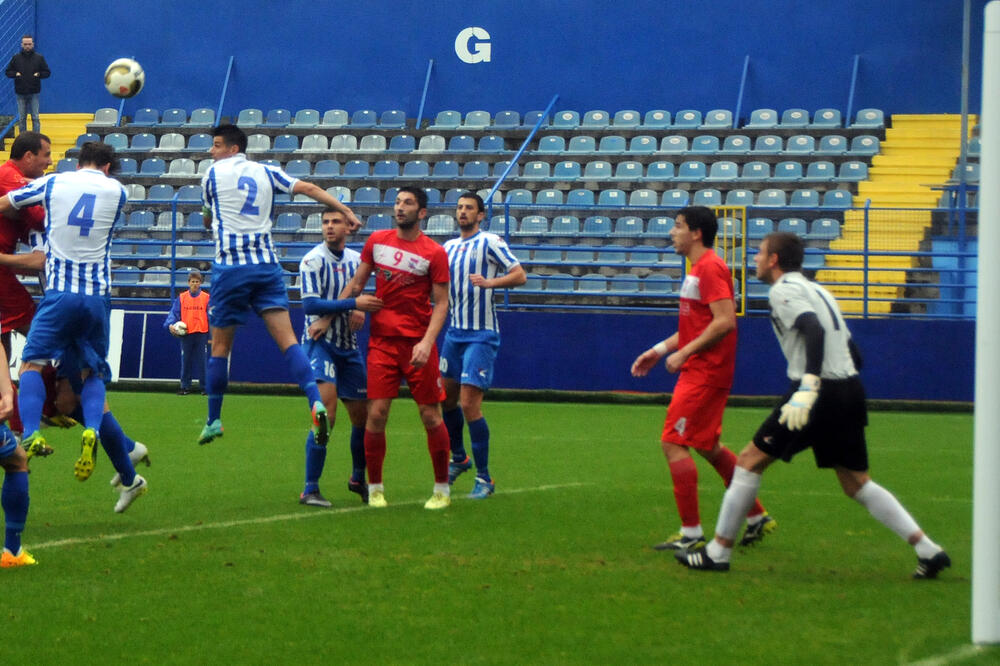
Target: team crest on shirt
691, 288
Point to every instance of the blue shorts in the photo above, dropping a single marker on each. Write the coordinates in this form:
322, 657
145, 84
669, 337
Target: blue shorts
468, 357
238, 289
71, 330
7, 442
343, 367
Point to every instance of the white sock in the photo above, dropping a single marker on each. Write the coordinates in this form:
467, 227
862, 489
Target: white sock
372, 487
442, 488
926, 548
692, 532
717, 551
886, 509
736, 502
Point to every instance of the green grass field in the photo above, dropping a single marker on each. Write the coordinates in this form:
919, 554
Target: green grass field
218, 563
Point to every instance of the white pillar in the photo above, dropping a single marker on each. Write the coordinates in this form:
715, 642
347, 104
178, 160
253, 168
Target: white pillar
986, 483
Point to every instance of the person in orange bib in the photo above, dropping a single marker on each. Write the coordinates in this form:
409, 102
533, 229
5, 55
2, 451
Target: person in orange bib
188, 321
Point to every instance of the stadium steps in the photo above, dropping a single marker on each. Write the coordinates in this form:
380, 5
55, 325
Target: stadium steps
918, 151
62, 129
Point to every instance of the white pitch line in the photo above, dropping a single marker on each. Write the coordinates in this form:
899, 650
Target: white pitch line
961, 653
75, 541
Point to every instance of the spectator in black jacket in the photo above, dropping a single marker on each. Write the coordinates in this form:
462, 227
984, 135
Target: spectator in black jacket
28, 68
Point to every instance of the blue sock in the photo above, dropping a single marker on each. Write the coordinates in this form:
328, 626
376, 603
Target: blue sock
358, 453
30, 399
113, 441
479, 433
315, 459
92, 401
14, 499
216, 383
455, 422
298, 365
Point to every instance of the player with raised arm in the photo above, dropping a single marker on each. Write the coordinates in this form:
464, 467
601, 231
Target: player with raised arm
238, 198
824, 409
330, 341
478, 263
73, 321
703, 351
410, 271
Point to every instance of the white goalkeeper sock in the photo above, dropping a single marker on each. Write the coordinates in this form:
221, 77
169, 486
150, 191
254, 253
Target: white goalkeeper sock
717, 551
886, 509
736, 502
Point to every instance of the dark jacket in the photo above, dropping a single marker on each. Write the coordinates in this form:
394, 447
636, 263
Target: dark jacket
28, 64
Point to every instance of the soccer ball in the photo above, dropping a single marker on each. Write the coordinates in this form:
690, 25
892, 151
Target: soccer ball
181, 328
124, 77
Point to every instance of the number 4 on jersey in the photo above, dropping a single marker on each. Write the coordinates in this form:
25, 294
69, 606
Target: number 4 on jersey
82, 214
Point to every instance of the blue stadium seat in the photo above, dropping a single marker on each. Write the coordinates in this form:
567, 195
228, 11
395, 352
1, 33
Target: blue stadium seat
440, 225
143, 142
762, 119
533, 225
869, 118
581, 144
767, 144
363, 118
532, 118
566, 120
691, 170
804, 199
298, 168
402, 143
357, 169
199, 142
758, 227
392, 119
340, 193
820, 171
126, 166
491, 144
853, 170
772, 197
477, 120
285, 143
675, 144
628, 170
507, 120
551, 144
739, 197
705, 144
707, 197
152, 166
841, 199
795, 225
824, 228
446, 169
595, 119
446, 120
378, 222
519, 197
173, 118
656, 119
660, 171
326, 169
146, 117
277, 118
389, 196
306, 118
367, 195
831, 144
643, 197
287, 223
723, 170
626, 119
659, 227
565, 225
826, 118
579, 197
374, 142
249, 117
787, 170
189, 193
800, 144
117, 140
613, 144
642, 144
452, 195
549, 197
794, 118
674, 199
160, 192
596, 226
106, 117
335, 118
612, 198
975, 147
432, 143
729, 228
628, 227
385, 169
476, 169
864, 144
687, 119
536, 170
141, 220
500, 167
416, 169
756, 171
566, 170
735, 144
201, 117
718, 119
597, 170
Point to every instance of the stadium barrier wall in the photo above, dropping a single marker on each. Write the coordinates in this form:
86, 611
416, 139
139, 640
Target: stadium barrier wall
498, 55
593, 351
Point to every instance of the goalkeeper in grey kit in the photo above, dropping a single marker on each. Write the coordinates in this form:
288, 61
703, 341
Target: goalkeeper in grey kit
824, 410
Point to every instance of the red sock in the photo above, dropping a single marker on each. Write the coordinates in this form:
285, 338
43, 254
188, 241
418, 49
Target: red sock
14, 420
724, 464
439, 446
685, 476
375, 455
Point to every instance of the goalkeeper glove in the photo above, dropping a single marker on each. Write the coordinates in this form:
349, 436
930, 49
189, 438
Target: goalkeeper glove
795, 412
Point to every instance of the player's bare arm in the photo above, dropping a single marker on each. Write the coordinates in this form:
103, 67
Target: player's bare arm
515, 277
317, 193
30, 262
422, 350
358, 282
723, 322
649, 358
318, 328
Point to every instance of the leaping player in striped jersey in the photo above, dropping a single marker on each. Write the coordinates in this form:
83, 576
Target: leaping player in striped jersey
824, 409
331, 343
479, 263
238, 199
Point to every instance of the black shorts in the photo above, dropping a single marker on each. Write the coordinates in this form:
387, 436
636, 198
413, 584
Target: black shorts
835, 432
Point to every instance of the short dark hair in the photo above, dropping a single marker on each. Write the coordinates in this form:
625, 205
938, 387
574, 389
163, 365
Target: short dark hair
96, 153
27, 36
231, 136
195, 273
703, 219
419, 193
789, 248
27, 142
479, 200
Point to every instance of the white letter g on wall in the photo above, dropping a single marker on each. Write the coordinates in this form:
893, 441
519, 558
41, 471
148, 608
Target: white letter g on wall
472, 45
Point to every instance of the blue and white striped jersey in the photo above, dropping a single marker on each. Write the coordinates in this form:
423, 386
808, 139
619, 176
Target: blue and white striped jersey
240, 194
81, 208
324, 276
484, 254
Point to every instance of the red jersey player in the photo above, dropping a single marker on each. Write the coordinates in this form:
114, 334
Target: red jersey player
410, 271
30, 156
703, 350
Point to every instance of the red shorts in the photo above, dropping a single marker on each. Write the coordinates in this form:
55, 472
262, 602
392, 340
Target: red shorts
389, 364
16, 306
694, 416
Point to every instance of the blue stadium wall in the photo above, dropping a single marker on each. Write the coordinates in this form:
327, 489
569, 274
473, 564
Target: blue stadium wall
904, 359
669, 54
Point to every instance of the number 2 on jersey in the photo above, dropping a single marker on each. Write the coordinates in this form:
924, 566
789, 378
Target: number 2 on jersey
250, 185
82, 214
